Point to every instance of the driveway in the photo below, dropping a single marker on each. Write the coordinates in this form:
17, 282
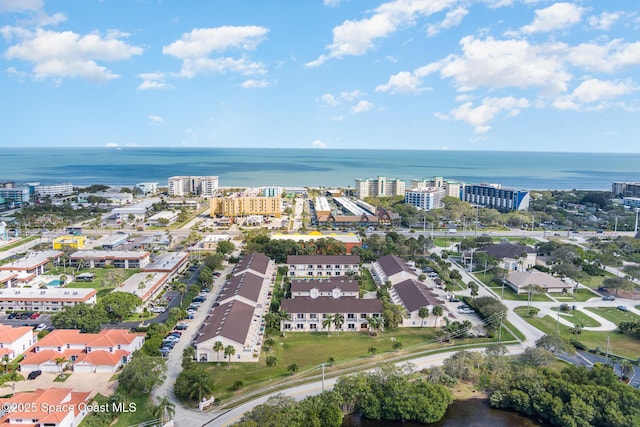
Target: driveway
78, 381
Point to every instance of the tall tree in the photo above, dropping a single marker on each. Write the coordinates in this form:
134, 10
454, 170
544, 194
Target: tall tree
218, 346
229, 351
423, 313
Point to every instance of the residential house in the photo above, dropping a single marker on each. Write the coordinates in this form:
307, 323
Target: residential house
308, 314
51, 407
511, 256
323, 265
106, 351
333, 287
15, 341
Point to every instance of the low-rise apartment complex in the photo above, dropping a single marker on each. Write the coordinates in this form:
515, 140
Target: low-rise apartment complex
244, 206
323, 265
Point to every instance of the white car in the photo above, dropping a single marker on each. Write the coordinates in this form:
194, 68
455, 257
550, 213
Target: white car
158, 309
466, 311
41, 327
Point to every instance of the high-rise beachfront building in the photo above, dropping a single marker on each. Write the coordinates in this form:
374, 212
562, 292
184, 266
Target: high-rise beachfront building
379, 187
626, 189
205, 186
63, 189
495, 197
425, 198
451, 187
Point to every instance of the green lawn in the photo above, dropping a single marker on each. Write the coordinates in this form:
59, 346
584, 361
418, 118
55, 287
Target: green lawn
18, 243
310, 350
614, 315
580, 318
622, 345
368, 284
142, 412
509, 294
580, 295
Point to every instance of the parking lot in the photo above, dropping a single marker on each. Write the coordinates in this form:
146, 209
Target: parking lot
22, 319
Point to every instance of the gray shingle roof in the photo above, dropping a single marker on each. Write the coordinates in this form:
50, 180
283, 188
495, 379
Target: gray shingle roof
344, 283
415, 295
392, 264
231, 321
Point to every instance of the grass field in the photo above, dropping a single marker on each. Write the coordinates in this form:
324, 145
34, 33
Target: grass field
614, 315
310, 350
580, 318
580, 295
621, 345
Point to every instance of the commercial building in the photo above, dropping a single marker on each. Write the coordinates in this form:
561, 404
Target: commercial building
106, 351
631, 202
137, 212
379, 187
244, 206
210, 241
626, 189
323, 265
520, 281
162, 219
63, 189
50, 299
271, 191
205, 186
495, 197
425, 198
15, 196
510, 256
72, 242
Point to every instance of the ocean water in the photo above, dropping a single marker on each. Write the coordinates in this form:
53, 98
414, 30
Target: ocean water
315, 167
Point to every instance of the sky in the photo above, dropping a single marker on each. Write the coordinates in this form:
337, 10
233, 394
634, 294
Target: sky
507, 75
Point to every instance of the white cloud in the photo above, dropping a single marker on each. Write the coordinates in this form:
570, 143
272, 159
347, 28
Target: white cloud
66, 54
201, 42
558, 16
328, 99
358, 37
195, 47
452, 19
403, 82
605, 20
506, 63
111, 145
609, 57
352, 95
331, 2
155, 120
255, 84
480, 116
153, 81
11, 6
319, 144
193, 67
361, 107
593, 92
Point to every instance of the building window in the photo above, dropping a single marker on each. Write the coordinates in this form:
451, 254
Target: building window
351, 316
299, 326
313, 316
351, 326
300, 316
312, 326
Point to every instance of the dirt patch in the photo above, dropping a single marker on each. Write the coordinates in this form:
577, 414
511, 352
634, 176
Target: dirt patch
463, 391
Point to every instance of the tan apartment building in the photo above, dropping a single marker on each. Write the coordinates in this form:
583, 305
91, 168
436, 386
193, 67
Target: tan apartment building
243, 206
379, 187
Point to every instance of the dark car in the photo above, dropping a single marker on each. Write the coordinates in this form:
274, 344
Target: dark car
12, 316
181, 326
34, 374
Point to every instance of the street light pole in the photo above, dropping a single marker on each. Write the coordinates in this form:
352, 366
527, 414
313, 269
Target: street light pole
322, 365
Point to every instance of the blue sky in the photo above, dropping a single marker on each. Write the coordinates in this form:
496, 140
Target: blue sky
524, 75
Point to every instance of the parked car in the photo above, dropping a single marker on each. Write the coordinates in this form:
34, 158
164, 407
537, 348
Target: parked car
466, 311
623, 308
454, 299
12, 316
158, 309
34, 374
41, 327
181, 326
463, 306
34, 316
608, 298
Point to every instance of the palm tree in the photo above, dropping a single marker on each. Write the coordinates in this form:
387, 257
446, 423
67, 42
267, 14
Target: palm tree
375, 323
60, 361
14, 377
326, 323
218, 347
397, 345
181, 288
372, 350
437, 311
423, 313
199, 387
165, 406
228, 352
626, 368
338, 320
271, 361
293, 368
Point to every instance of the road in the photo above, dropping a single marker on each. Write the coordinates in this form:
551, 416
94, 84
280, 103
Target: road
232, 416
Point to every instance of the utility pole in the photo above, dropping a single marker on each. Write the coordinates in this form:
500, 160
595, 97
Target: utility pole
322, 365
558, 322
608, 349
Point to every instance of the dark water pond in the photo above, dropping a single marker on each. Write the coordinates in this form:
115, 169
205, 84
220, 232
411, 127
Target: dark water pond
461, 413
